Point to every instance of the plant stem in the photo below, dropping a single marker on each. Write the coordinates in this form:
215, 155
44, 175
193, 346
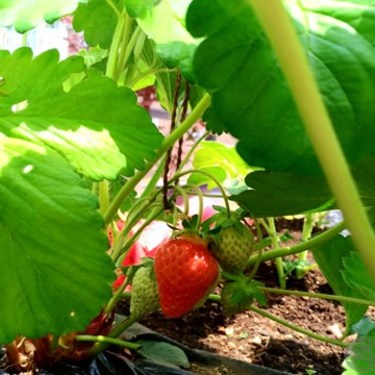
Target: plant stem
306, 234
115, 47
103, 188
213, 178
116, 331
108, 340
278, 261
317, 295
290, 250
168, 142
296, 328
293, 61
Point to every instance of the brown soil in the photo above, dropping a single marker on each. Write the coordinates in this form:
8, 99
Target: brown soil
256, 339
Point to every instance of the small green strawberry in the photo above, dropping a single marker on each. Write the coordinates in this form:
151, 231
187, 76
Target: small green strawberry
145, 299
232, 246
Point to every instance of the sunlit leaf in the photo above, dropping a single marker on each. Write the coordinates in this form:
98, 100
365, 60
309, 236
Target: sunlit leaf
221, 161
26, 14
97, 126
97, 19
55, 270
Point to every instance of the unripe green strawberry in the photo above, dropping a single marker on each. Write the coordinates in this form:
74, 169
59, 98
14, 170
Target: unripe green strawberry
232, 246
145, 299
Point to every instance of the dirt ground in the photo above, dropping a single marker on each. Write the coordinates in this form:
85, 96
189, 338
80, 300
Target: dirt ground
253, 338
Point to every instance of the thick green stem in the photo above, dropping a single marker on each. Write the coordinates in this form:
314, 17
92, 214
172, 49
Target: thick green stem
293, 61
306, 234
168, 142
115, 332
290, 250
278, 261
115, 47
107, 340
317, 295
213, 178
296, 328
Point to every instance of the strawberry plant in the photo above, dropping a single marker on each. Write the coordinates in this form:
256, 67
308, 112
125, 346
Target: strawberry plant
293, 83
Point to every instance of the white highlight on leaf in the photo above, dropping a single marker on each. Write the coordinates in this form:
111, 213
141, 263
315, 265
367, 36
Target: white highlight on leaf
27, 169
20, 106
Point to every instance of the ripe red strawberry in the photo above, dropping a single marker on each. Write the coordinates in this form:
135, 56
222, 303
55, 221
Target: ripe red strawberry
186, 272
232, 246
145, 299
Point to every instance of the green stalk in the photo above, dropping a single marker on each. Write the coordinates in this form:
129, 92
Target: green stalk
316, 241
168, 142
211, 177
276, 246
115, 332
115, 47
107, 340
317, 295
306, 234
103, 186
296, 328
293, 61
118, 257
191, 151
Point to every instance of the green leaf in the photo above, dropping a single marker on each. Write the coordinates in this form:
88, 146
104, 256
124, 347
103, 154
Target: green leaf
364, 327
279, 194
97, 19
26, 14
330, 258
97, 126
250, 97
221, 161
139, 8
55, 274
361, 360
356, 276
163, 352
178, 55
166, 22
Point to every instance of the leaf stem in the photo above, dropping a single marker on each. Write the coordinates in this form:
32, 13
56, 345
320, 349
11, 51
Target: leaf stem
130, 185
108, 340
293, 61
331, 297
290, 250
276, 246
213, 178
296, 328
99, 346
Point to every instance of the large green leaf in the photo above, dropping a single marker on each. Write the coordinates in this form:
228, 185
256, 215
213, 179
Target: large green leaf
97, 19
166, 22
279, 194
25, 14
250, 96
97, 126
55, 273
330, 258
